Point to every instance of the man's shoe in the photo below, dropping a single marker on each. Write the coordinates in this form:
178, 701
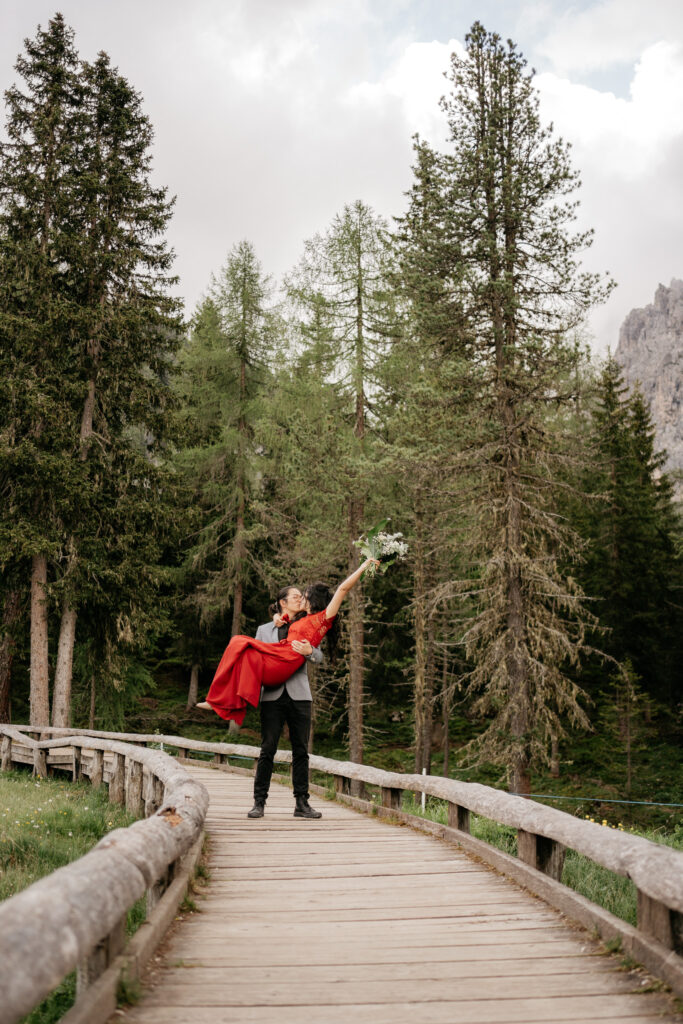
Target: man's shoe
257, 810
304, 810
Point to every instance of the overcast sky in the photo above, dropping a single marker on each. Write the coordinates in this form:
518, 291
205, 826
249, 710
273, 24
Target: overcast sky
271, 114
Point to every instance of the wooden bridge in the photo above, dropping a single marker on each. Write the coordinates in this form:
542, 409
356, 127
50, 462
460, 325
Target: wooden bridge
349, 916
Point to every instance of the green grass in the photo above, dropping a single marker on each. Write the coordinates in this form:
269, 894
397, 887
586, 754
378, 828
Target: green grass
615, 893
45, 824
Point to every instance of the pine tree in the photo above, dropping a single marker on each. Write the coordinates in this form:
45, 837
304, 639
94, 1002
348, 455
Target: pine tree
38, 170
510, 266
632, 568
224, 373
88, 336
341, 290
128, 325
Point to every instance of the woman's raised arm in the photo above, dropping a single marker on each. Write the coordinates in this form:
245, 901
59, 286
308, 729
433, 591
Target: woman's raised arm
343, 588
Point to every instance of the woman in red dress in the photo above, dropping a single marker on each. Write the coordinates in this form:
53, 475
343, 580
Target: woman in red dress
248, 664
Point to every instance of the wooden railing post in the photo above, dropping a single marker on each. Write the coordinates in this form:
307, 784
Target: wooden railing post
459, 817
40, 762
181, 752
342, 784
663, 924
104, 953
153, 793
156, 891
77, 768
544, 854
97, 768
391, 797
117, 781
134, 804
6, 754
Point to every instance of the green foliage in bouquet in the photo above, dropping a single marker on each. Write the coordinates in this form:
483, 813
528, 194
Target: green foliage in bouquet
385, 547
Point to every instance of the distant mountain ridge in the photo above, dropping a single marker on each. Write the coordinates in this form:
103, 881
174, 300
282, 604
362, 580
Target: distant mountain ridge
650, 351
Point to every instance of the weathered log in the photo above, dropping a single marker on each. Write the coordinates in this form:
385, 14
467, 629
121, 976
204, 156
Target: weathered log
84, 902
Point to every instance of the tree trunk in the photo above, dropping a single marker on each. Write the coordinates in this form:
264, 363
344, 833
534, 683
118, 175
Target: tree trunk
39, 685
93, 695
516, 664
555, 758
356, 653
428, 720
419, 620
446, 713
193, 692
10, 619
61, 695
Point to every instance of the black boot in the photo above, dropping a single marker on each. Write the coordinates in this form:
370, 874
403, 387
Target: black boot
304, 810
257, 809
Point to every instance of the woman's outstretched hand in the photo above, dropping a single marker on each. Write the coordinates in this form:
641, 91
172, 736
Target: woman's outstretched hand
370, 561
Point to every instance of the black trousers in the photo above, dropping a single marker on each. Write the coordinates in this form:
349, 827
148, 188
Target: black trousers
274, 714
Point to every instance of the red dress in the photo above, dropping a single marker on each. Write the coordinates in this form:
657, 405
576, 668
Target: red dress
248, 664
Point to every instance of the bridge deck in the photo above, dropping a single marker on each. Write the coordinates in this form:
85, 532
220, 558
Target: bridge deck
348, 918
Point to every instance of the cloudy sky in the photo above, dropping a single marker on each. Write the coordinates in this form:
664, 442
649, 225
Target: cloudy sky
271, 114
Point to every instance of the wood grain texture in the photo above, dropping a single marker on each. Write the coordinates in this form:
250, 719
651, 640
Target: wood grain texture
350, 919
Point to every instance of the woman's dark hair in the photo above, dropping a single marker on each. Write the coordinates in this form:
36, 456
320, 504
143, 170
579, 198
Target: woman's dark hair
319, 596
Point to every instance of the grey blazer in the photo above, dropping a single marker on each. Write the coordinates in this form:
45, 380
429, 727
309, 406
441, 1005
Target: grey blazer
297, 685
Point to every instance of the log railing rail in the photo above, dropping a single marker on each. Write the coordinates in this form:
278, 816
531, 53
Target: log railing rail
75, 918
544, 834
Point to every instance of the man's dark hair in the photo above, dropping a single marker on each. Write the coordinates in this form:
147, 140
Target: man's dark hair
281, 596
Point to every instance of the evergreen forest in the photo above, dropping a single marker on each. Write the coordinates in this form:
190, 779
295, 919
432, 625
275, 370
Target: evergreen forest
164, 472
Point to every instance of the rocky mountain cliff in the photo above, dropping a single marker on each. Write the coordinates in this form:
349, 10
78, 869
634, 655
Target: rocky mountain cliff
650, 350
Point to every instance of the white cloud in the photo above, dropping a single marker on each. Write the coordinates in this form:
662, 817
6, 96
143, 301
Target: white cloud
627, 138
608, 33
271, 114
414, 85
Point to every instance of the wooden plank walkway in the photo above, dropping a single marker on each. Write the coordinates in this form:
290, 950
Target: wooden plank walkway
349, 918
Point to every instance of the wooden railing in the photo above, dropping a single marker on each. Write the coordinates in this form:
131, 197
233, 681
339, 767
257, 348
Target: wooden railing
75, 918
544, 835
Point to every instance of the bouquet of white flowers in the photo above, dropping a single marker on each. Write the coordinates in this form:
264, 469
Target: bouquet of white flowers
385, 547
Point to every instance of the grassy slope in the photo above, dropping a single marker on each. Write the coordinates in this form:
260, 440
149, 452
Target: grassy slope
45, 824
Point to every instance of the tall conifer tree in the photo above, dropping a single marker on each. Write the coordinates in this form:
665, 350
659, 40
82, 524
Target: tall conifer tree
88, 332
632, 567
225, 370
342, 286
38, 170
127, 324
510, 265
